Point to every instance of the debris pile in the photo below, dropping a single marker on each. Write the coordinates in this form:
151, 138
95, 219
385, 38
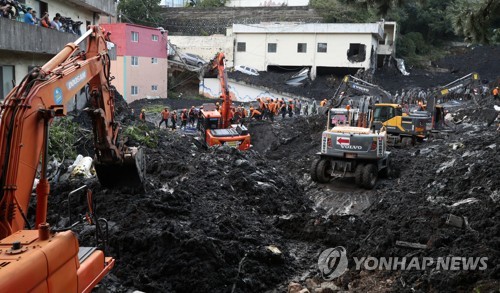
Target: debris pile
221, 220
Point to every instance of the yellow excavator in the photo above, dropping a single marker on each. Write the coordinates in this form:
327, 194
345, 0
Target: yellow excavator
402, 128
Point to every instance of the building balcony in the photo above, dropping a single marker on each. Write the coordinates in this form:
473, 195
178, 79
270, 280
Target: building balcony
20, 37
104, 7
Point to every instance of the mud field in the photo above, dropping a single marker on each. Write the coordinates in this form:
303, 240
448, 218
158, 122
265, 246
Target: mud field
222, 220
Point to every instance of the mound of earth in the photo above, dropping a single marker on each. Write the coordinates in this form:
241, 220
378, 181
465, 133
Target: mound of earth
223, 220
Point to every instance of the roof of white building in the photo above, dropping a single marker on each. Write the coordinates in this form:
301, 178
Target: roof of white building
317, 28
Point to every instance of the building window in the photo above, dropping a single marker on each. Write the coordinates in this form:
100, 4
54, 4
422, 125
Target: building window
271, 48
241, 47
135, 61
322, 47
301, 48
154, 88
154, 60
356, 52
154, 38
135, 37
7, 78
134, 90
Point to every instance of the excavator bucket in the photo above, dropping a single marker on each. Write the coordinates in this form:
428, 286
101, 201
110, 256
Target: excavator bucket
131, 172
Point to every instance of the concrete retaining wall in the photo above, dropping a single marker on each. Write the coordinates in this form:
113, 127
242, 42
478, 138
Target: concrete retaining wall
192, 21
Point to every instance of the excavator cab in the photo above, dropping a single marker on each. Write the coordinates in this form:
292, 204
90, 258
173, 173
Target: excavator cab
213, 135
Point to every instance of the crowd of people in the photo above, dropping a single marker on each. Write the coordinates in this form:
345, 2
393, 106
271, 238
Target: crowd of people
14, 10
264, 109
269, 108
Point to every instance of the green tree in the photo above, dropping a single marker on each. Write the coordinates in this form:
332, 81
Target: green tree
341, 11
477, 21
429, 19
145, 12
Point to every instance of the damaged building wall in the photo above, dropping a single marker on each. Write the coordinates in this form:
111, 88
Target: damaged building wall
205, 46
257, 54
240, 92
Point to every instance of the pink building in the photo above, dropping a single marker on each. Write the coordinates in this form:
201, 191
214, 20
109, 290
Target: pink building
140, 68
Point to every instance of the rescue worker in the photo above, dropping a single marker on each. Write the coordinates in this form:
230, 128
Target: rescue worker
200, 117
173, 119
192, 116
323, 103
272, 110
243, 115
184, 118
236, 115
254, 113
306, 109
313, 109
283, 110
495, 93
142, 115
132, 114
165, 115
297, 106
290, 108
261, 104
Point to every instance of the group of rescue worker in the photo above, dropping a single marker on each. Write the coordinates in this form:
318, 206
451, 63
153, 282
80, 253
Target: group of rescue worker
267, 108
187, 117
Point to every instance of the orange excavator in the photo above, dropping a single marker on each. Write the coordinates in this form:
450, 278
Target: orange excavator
44, 259
215, 123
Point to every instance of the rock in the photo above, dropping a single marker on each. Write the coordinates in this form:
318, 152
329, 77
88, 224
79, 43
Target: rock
274, 249
294, 287
241, 163
330, 286
312, 284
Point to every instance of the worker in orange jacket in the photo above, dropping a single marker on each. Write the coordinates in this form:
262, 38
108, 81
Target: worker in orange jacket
495, 93
262, 105
142, 115
254, 113
323, 103
290, 108
184, 118
165, 115
272, 109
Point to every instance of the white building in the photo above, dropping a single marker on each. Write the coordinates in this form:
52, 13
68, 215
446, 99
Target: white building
333, 45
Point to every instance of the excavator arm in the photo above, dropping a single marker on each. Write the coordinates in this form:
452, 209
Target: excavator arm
50, 261
470, 80
219, 66
360, 86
